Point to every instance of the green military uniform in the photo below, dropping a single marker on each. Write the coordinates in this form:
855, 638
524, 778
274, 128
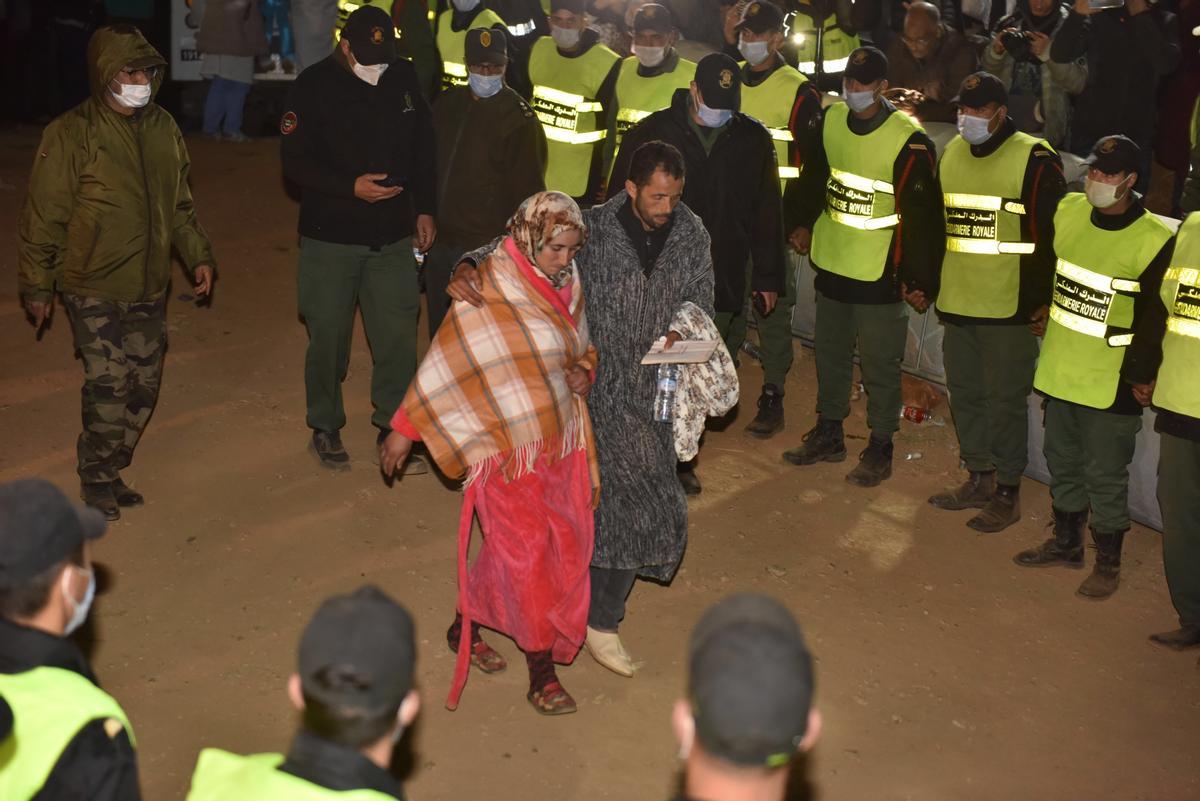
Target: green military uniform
999, 199
108, 201
1089, 446
641, 91
1169, 339
452, 39
567, 100
222, 776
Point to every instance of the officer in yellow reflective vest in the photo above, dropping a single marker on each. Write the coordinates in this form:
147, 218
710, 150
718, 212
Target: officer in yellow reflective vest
871, 210
647, 80
783, 100
821, 42
450, 31
573, 76
354, 691
1164, 368
1000, 188
69, 738
1110, 255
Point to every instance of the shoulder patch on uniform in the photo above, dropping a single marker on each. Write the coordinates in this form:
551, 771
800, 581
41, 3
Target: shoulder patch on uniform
915, 146
288, 123
113, 727
1042, 152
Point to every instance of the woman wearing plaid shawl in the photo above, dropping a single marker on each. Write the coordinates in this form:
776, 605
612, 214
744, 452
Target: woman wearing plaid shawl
499, 399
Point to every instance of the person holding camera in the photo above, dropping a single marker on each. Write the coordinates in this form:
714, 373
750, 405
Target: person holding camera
1129, 48
358, 141
1039, 90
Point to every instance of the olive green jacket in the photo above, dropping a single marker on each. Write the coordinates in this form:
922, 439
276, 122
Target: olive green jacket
108, 195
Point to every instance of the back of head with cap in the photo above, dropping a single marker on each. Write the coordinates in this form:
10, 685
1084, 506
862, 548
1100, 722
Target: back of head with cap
356, 667
750, 684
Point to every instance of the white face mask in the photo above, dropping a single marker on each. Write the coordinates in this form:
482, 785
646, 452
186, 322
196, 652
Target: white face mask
566, 38
755, 53
975, 129
485, 85
464, 5
858, 101
371, 74
1102, 195
81, 607
132, 95
649, 57
713, 117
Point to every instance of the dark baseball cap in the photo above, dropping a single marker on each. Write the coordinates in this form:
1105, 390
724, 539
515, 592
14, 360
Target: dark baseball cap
760, 17
750, 681
1115, 154
486, 46
371, 36
358, 651
577, 7
39, 528
980, 88
719, 81
866, 65
653, 17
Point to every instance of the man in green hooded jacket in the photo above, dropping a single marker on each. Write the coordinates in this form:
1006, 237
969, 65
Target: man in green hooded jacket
108, 201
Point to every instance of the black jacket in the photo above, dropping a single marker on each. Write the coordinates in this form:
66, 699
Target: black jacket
94, 765
918, 243
338, 127
1041, 189
337, 767
1126, 58
734, 190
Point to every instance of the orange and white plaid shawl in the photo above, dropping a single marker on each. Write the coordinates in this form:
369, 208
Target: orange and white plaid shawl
491, 392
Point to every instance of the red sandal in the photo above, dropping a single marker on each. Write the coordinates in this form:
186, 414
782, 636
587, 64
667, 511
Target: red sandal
487, 658
552, 699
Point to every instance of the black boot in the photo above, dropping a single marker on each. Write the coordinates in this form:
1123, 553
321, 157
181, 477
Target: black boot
327, 445
769, 420
1064, 548
825, 442
973, 493
1002, 510
686, 471
126, 495
1106, 573
874, 463
1186, 636
100, 497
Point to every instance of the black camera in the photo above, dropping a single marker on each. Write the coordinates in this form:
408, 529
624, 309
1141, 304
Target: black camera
1018, 44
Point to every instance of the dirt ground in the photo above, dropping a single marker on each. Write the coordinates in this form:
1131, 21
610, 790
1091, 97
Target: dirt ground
945, 672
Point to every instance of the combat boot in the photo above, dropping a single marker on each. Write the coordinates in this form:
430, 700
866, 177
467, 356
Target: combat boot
126, 495
874, 463
1064, 548
327, 445
100, 497
769, 420
1106, 573
974, 493
1002, 510
825, 442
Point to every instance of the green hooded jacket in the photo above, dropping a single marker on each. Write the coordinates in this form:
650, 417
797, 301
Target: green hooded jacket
108, 195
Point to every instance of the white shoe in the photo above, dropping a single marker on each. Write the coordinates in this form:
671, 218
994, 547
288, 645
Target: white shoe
606, 648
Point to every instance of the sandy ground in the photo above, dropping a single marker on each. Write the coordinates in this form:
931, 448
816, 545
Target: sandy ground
945, 672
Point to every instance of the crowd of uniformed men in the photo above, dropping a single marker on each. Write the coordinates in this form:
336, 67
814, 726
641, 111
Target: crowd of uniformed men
987, 233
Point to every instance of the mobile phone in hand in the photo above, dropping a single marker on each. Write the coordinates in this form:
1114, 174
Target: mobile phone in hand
393, 180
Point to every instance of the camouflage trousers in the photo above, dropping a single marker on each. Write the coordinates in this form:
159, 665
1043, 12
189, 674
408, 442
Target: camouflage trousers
121, 346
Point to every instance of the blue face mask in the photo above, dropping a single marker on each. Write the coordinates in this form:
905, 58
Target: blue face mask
81, 607
975, 129
485, 85
858, 101
713, 117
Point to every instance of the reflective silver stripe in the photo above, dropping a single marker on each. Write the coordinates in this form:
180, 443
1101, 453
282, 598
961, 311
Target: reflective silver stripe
571, 138
1095, 280
456, 70
1184, 327
836, 64
807, 66
863, 223
789, 172
860, 183
578, 102
780, 134
1091, 328
1184, 275
523, 28
989, 247
963, 200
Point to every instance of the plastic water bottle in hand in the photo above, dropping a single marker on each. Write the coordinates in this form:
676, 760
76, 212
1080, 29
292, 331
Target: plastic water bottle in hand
664, 395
